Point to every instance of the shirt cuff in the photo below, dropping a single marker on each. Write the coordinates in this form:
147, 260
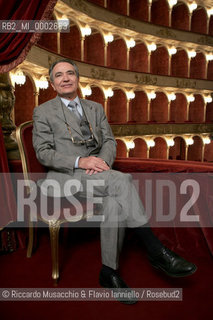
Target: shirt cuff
76, 162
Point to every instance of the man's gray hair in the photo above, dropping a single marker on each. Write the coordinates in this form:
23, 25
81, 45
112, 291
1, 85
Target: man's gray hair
63, 60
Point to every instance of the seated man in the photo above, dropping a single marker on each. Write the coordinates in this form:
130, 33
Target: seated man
72, 137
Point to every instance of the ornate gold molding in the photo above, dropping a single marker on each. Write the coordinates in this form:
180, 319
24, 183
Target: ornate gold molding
80, 5
183, 83
205, 40
167, 33
146, 79
100, 74
160, 129
124, 23
40, 58
7, 99
99, 17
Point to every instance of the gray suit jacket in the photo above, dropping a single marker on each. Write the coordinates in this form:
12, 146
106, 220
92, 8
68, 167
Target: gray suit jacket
52, 142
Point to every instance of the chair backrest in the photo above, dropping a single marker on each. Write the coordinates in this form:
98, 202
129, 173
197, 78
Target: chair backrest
32, 168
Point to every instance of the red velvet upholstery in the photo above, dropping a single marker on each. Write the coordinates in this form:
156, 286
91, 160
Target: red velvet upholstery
178, 166
8, 240
52, 215
15, 46
160, 165
33, 164
34, 170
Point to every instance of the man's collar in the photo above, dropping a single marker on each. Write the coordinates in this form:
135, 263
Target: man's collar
66, 101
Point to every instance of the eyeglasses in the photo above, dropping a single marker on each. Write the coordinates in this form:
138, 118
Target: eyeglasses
89, 142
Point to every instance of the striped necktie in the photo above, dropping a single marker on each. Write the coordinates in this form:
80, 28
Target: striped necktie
73, 106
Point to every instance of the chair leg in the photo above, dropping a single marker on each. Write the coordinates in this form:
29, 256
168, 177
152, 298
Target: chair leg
54, 227
30, 241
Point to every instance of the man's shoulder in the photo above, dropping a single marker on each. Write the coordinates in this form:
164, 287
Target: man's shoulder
91, 103
47, 105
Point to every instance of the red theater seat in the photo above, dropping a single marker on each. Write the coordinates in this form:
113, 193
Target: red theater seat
33, 171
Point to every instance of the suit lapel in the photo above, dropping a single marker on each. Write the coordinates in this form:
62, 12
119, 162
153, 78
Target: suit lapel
90, 113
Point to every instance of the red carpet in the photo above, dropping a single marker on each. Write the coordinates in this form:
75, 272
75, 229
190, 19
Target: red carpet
80, 264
